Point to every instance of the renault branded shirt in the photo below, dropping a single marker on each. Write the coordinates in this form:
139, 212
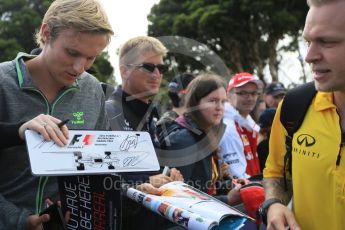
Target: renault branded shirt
318, 181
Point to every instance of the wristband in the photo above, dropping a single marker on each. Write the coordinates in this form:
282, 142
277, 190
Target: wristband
264, 208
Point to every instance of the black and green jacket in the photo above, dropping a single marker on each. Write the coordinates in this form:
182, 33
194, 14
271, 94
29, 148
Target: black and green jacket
20, 101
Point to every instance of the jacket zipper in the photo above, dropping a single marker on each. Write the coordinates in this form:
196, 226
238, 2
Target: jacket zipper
50, 107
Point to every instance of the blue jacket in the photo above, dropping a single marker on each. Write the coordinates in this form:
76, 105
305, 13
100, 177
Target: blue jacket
190, 150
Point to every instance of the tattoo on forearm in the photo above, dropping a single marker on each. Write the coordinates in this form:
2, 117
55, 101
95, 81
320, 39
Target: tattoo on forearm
274, 188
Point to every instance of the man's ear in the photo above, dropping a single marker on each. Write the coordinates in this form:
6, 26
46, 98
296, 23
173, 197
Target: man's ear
124, 71
45, 33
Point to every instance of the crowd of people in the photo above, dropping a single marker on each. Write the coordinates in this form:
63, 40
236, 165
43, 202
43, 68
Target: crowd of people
218, 137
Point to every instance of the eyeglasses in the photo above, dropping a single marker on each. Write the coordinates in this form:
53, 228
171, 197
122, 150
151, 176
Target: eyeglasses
149, 67
246, 94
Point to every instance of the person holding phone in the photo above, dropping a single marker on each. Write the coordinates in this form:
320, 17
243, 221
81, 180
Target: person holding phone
55, 84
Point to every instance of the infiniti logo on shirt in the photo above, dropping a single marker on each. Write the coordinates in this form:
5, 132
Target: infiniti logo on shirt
305, 140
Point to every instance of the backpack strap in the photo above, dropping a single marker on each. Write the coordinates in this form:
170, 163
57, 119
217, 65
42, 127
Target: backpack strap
295, 105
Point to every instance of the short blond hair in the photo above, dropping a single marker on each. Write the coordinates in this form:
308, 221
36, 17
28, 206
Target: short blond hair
86, 16
137, 45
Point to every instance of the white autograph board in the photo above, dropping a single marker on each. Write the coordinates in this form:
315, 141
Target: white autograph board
92, 152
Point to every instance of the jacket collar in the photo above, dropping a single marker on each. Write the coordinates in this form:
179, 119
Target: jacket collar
245, 122
188, 123
24, 79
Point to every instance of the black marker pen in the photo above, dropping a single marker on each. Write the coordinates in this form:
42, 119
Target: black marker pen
62, 123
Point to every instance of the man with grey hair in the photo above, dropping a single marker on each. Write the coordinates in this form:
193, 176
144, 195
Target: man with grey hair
318, 167
130, 108
141, 68
54, 84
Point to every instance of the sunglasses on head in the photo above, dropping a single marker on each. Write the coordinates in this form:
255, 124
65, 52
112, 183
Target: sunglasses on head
149, 67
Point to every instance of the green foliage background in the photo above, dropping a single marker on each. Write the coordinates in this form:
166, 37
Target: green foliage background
244, 33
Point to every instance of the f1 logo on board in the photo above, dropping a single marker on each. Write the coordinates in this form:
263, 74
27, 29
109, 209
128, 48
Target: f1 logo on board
306, 140
77, 138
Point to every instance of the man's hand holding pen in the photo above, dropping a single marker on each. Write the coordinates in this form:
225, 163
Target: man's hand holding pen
49, 127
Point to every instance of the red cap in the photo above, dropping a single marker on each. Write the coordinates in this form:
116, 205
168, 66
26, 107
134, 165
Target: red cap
240, 79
